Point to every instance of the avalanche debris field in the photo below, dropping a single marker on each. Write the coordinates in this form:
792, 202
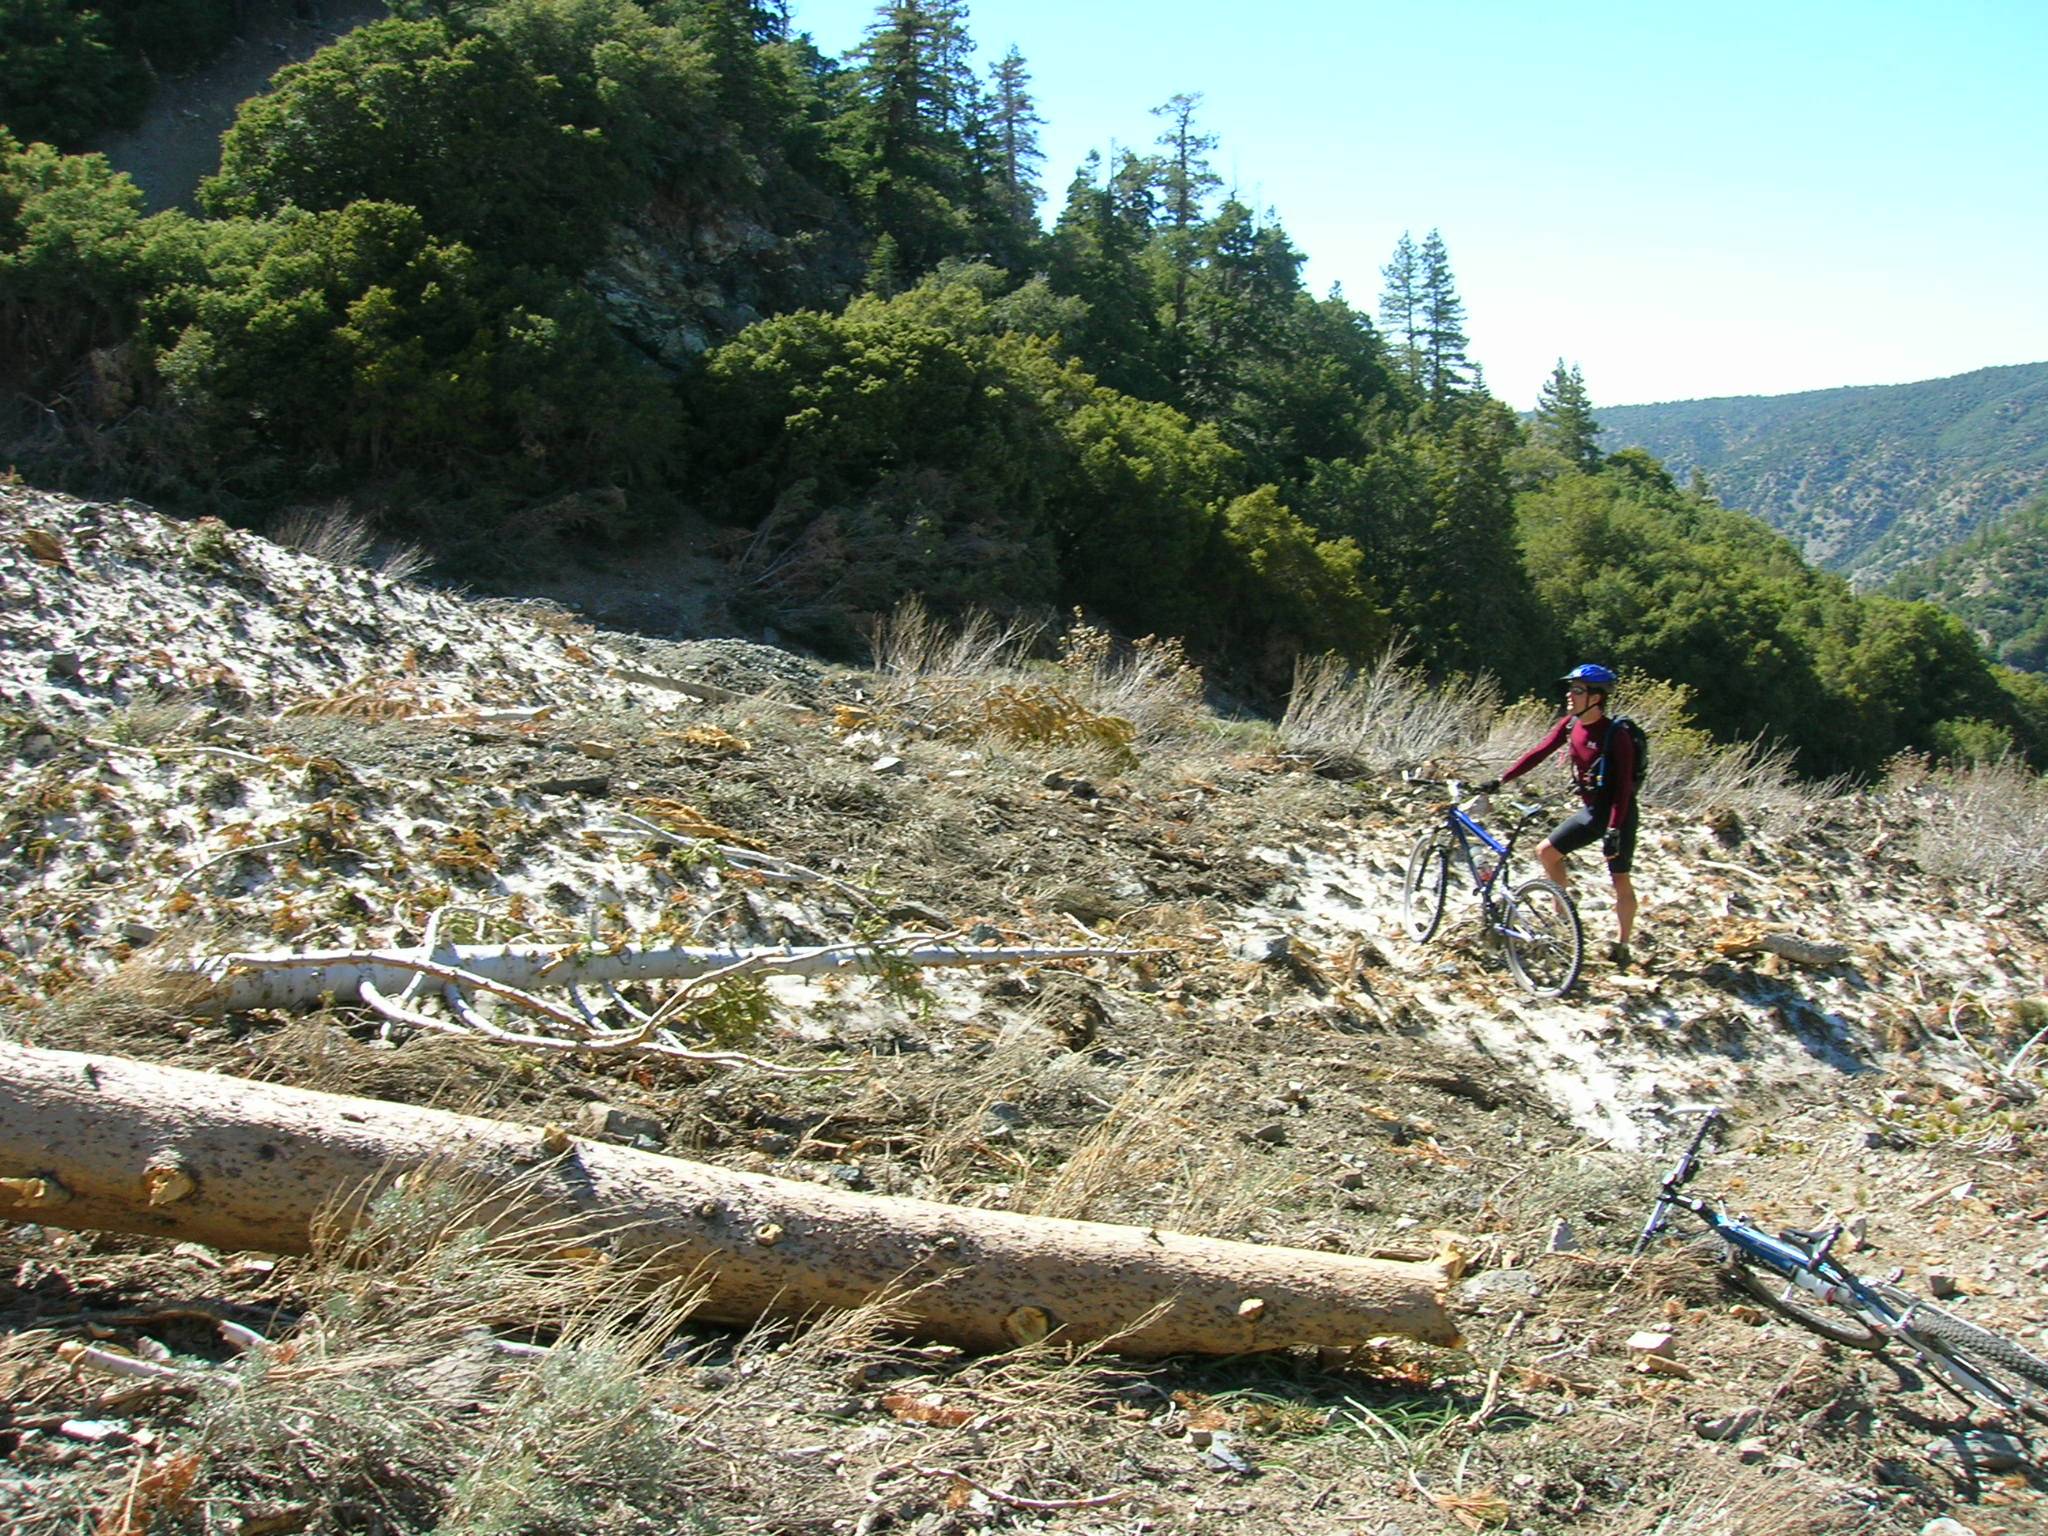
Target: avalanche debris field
217, 745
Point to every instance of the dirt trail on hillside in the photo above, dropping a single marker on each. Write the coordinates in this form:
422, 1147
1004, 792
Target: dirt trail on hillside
177, 143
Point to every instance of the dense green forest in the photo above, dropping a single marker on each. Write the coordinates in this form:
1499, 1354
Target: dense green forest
506, 272
1866, 480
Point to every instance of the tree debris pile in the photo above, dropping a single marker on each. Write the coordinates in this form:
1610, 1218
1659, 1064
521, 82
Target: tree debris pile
222, 748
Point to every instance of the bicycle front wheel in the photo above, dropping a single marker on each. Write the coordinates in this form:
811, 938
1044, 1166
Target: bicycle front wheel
1842, 1323
1540, 932
2019, 1376
1422, 893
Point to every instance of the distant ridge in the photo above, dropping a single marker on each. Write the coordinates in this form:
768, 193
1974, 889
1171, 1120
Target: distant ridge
1868, 479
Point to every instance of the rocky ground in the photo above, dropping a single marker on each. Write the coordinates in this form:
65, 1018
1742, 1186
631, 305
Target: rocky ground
217, 744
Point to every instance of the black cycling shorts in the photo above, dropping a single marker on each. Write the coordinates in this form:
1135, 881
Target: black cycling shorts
1584, 828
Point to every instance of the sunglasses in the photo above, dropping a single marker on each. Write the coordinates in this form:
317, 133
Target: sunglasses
1576, 688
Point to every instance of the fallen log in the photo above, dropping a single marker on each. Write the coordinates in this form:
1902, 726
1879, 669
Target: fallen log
107, 1144
236, 983
1787, 946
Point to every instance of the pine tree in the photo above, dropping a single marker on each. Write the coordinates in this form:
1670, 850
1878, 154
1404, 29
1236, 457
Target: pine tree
1097, 255
1446, 372
733, 33
1013, 128
1564, 418
1185, 182
1400, 308
908, 135
1185, 174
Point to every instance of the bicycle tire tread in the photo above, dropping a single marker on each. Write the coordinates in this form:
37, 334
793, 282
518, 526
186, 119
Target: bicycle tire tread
1980, 1344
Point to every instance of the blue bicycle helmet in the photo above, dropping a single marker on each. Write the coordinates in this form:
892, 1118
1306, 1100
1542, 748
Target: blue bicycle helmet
1593, 675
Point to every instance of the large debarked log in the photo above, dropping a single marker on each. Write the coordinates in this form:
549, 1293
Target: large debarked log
108, 1144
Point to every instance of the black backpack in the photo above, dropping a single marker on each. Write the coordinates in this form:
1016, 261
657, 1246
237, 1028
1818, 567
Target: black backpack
1641, 738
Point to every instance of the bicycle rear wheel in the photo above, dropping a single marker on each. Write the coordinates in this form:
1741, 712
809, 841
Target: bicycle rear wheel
1831, 1320
1422, 893
1539, 930
2020, 1376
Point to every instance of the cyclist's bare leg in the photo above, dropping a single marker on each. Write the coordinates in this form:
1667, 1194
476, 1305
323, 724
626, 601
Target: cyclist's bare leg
1552, 862
1624, 905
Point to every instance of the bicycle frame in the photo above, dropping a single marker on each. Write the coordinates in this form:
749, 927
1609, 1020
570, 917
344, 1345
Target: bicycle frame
1465, 828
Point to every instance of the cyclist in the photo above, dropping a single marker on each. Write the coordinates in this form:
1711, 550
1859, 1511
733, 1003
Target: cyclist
1603, 764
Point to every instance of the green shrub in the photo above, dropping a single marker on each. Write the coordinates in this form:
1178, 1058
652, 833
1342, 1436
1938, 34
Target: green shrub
522, 133
75, 259
354, 340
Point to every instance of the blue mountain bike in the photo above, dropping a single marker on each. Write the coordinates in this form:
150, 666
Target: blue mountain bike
1796, 1274
1536, 921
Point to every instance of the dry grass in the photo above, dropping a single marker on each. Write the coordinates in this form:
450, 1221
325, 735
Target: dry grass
140, 1008
339, 535
1134, 1146
1385, 717
447, 1371
1709, 1497
1105, 705
910, 646
1984, 824
149, 719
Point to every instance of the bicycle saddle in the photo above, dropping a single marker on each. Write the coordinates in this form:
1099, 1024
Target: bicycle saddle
1807, 1240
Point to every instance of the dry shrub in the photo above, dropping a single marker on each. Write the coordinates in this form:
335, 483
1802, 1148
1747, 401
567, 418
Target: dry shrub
1692, 771
910, 646
1983, 824
1689, 770
1037, 716
339, 535
1150, 682
1384, 717
376, 699
976, 681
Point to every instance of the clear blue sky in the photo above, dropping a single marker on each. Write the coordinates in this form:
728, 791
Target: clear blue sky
1684, 200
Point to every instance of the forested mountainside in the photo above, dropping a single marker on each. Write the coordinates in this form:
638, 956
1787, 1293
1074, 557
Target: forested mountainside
1996, 581
522, 280
1865, 480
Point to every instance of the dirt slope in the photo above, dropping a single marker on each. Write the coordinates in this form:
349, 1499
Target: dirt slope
217, 744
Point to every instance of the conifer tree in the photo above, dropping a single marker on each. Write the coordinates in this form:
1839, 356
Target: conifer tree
1097, 255
1446, 372
1013, 127
1185, 182
1564, 418
1401, 308
907, 133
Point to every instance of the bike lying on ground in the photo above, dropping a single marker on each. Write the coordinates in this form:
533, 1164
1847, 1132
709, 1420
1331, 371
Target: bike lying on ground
1795, 1273
1536, 922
